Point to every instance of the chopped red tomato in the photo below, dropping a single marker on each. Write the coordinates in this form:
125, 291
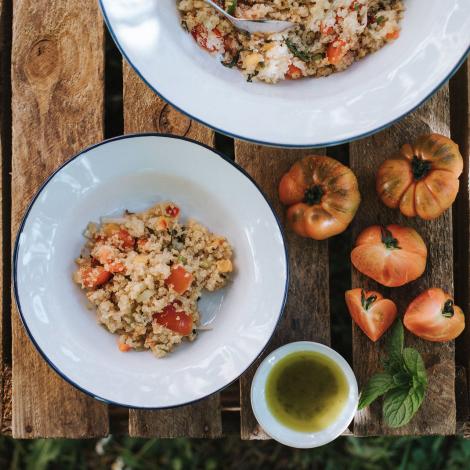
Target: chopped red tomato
172, 211
393, 35
116, 267
141, 242
179, 322
123, 347
326, 30
179, 279
335, 51
293, 72
127, 241
201, 35
94, 277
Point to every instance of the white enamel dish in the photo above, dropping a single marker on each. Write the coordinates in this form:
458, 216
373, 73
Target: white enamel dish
367, 97
133, 172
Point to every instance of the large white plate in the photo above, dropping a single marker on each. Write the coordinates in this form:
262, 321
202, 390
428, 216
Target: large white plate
370, 95
135, 172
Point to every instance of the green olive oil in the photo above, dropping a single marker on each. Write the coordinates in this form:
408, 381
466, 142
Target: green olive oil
306, 391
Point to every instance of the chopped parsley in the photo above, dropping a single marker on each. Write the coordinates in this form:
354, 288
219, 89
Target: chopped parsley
302, 55
380, 20
232, 6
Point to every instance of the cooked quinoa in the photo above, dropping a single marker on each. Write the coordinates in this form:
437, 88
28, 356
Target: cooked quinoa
328, 37
145, 272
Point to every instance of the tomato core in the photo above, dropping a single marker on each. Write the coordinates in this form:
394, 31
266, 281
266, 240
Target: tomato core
388, 240
313, 195
448, 310
420, 168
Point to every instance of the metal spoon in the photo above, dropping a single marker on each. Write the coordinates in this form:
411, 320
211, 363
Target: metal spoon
254, 26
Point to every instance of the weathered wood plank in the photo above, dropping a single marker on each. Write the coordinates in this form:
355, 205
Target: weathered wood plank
460, 129
438, 412
57, 109
307, 315
5, 383
145, 112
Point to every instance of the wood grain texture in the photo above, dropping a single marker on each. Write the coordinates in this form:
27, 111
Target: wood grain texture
57, 109
5, 384
438, 412
145, 112
307, 315
460, 129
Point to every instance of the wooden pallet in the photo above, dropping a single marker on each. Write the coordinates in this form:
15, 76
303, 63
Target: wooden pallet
57, 100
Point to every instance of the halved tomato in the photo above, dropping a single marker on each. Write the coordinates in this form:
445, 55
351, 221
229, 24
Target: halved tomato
179, 322
434, 317
372, 313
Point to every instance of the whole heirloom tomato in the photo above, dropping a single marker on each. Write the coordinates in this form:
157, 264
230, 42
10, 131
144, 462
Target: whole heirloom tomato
392, 255
372, 313
323, 197
434, 317
423, 179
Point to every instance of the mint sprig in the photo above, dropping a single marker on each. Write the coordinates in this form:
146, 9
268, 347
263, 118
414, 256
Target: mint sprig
403, 382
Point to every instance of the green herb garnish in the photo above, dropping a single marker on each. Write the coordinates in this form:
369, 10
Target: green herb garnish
403, 383
380, 20
232, 6
302, 55
230, 64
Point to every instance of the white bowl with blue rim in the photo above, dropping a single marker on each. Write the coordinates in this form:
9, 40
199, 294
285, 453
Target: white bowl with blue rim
370, 95
134, 172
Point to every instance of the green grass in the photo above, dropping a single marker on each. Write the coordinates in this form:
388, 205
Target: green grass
116, 453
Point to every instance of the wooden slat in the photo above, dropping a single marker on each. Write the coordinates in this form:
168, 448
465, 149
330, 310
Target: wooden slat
437, 414
57, 109
5, 383
145, 112
460, 128
307, 315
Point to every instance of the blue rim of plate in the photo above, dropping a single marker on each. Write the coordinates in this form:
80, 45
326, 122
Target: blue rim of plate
24, 220
272, 144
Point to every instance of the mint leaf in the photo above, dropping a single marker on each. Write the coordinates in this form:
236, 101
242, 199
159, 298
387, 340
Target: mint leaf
414, 365
394, 363
378, 385
232, 7
401, 379
401, 404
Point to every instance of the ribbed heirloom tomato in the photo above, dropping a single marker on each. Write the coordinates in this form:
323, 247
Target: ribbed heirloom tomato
323, 197
391, 255
434, 317
372, 313
423, 179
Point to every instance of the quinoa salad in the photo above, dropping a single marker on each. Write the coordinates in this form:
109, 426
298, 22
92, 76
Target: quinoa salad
329, 36
144, 273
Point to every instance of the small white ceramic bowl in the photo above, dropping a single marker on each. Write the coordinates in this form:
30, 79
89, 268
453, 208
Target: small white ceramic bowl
283, 434
135, 172
368, 96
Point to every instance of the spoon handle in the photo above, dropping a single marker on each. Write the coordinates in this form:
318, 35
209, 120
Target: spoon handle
221, 10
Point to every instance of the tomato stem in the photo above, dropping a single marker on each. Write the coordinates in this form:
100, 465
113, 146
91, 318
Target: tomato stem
420, 168
388, 239
448, 310
367, 302
313, 195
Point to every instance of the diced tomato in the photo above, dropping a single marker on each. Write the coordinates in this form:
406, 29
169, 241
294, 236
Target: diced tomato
127, 241
201, 35
293, 72
94, 277
335, 51
172, 211
179, 322
116, 267
355, 6
326, 30
393, 35
141, 242
179, 279
123, 347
